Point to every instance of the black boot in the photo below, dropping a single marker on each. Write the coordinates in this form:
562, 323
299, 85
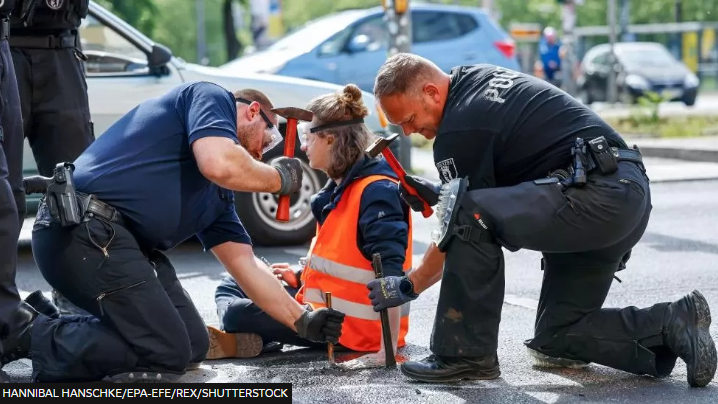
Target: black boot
444, 369
17, 344
43, 305
65, 306
686, 333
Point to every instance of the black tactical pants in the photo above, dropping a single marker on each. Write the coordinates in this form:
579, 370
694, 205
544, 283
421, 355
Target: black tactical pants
55, 110
585, 234
10, 183
142, 318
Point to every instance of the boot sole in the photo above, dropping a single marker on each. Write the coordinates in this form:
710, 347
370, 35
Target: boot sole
703, 368
233, 345
144, 377
467, 374
542, 361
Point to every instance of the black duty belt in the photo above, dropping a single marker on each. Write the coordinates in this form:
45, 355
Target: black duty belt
43, 42
631, 155
95, 208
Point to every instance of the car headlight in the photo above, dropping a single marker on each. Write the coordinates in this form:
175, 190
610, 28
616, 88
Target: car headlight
691, 81
637, 82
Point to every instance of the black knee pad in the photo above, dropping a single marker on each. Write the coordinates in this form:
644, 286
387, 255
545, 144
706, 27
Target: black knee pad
459, 217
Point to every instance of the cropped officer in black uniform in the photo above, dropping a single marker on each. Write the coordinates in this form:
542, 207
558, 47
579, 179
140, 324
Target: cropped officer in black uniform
11, 144
530, 167
45, 47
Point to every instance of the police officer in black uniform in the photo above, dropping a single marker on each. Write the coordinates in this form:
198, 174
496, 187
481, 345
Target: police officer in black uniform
11, 143
530, 167
45, 47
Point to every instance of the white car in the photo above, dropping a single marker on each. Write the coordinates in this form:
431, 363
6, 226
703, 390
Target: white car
125, 67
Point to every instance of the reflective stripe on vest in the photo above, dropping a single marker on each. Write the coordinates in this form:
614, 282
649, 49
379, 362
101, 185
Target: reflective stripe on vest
341, 271
358, 310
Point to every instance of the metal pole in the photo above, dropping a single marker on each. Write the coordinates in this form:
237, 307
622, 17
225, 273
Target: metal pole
400, 42
679, 35
201, 41
488, 6
568, 16
611, 57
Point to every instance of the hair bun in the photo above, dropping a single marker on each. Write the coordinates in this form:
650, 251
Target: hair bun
352, 93
352, 99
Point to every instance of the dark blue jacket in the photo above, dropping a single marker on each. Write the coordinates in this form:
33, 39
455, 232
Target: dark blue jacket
383, 218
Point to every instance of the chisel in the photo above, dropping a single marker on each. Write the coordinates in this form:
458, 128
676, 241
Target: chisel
384, 314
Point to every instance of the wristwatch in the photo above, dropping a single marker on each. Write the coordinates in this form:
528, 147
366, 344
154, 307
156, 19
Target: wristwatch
407, 287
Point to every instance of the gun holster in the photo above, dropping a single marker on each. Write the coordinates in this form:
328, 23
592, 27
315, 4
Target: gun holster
61, 198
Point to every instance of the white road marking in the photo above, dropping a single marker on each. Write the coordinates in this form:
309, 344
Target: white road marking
519, 301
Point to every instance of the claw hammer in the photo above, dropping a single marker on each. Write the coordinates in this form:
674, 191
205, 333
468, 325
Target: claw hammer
381, 145
293, 116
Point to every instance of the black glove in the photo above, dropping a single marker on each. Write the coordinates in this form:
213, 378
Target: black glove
321, 325
426, 189
391, 291
290, 171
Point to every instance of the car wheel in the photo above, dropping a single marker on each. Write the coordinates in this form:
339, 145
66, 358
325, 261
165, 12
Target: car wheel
690, 101
258, 213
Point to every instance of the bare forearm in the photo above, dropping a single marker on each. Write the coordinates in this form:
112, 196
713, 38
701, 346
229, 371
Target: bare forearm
245, 174
429, 271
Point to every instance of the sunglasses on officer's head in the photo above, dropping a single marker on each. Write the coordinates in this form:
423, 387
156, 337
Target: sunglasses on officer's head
276, 137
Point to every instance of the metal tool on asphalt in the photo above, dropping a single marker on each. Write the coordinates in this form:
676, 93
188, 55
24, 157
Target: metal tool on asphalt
330, 346
293, 115
381, 145
384, 314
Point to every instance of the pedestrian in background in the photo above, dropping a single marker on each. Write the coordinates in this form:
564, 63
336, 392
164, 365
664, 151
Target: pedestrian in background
549, 52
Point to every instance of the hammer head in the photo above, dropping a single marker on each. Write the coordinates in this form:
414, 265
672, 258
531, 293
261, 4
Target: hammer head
294, 113
379, 145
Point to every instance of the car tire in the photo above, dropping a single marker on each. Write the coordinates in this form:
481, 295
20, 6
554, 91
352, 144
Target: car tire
689, 101
258, 210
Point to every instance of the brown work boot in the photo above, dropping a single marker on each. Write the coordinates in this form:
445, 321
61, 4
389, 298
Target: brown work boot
233, 345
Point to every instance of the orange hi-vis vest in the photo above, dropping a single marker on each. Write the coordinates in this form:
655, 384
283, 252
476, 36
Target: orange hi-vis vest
337, 265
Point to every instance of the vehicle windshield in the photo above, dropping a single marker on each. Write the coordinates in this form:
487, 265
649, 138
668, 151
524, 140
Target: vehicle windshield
314, 33
649, 56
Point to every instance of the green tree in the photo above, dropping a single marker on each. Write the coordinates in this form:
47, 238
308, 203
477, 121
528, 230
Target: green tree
138, 13
297, 12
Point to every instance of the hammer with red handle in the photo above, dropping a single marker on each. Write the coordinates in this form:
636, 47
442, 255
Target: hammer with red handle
293, 116
381, 145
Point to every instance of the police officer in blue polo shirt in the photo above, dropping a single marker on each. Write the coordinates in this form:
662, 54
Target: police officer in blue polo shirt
161, 174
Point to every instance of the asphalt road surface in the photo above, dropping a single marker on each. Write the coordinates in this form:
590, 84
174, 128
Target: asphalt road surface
676, 255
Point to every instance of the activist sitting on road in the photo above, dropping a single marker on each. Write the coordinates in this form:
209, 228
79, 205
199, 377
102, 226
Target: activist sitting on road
161, 174
359, 213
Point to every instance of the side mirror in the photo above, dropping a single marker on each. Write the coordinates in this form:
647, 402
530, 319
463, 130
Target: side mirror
158, 58
358, 44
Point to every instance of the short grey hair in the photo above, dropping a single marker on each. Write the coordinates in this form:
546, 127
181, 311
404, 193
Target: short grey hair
401, 73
